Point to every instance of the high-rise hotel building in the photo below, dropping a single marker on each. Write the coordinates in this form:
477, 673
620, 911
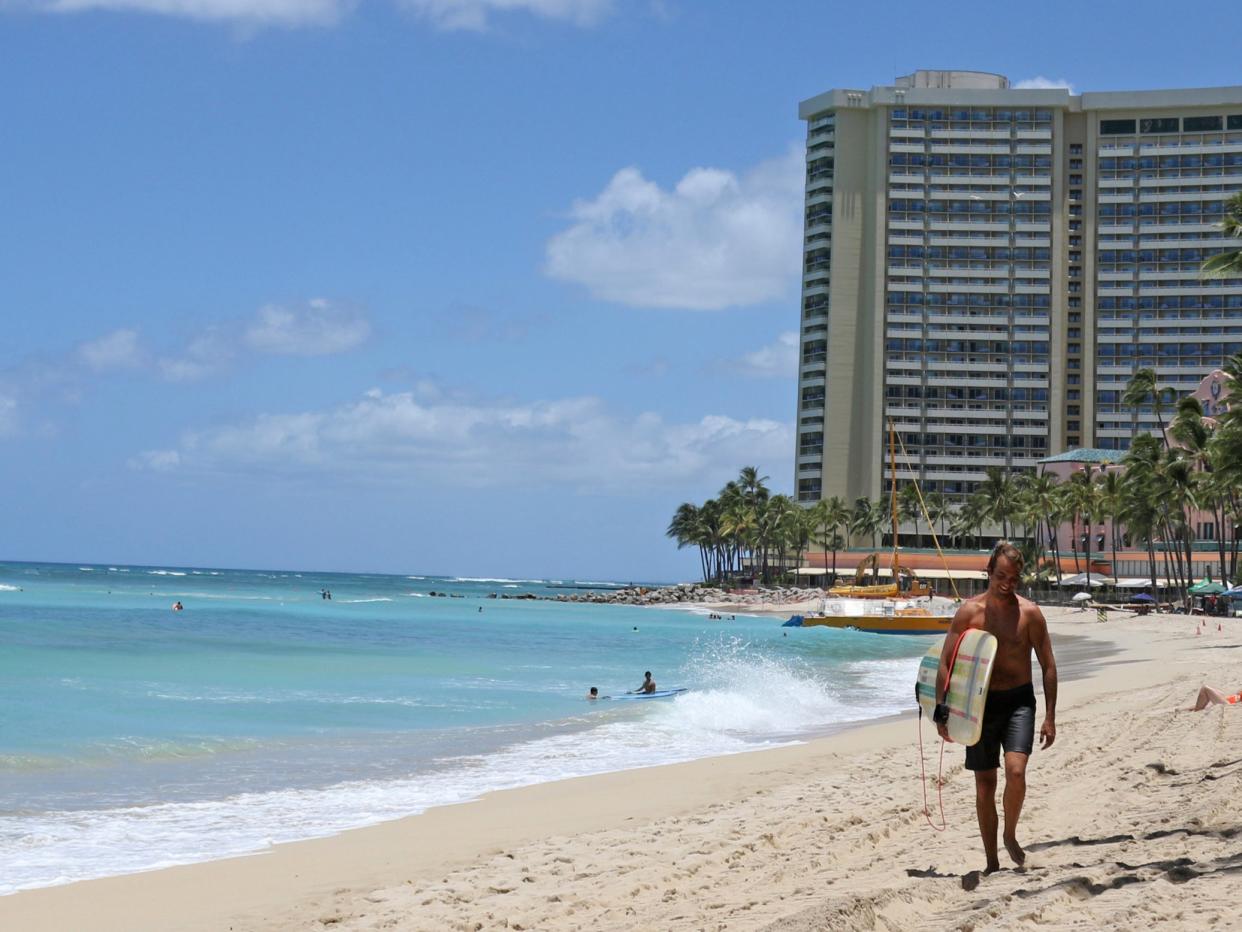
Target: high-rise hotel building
987, 266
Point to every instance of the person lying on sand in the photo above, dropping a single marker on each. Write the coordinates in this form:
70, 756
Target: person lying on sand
1209, 696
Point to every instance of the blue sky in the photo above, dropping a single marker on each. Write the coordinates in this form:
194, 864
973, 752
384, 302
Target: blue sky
480, 287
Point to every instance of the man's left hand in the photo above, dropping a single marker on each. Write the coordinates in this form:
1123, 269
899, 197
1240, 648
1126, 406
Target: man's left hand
1047, 733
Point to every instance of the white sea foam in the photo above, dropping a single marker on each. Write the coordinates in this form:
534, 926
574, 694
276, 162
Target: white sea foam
58, 847
416, 577
7, 588
355, 601
87, 569
499, 579
417, 595
742, 697
165, 573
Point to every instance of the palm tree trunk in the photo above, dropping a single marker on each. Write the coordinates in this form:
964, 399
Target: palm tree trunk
1056, 548
1218, 517
1087, 548
1151, 557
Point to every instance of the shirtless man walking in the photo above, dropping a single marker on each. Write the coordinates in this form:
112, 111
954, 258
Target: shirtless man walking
1009, 716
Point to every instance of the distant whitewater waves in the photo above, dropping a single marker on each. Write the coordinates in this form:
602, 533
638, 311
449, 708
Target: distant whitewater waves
742, 697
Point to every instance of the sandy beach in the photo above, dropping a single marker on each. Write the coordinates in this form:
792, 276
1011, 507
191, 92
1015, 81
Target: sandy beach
1131, 818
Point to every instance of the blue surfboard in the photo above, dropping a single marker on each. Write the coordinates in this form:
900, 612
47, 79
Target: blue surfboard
658, 694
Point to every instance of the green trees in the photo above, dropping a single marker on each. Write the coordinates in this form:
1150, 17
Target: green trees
744, 524
1190, 471
1228, 264
828, 517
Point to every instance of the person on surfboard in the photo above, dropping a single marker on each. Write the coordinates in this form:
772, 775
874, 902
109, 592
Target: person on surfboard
648, 686
1009, 715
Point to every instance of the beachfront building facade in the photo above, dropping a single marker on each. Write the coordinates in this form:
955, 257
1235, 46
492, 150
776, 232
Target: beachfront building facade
1212, 394
986, 266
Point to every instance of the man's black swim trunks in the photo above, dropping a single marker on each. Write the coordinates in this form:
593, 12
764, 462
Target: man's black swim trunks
1009, 722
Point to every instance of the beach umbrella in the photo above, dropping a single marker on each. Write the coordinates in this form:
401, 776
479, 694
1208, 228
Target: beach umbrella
1081, 596
1143, 597
1206, 587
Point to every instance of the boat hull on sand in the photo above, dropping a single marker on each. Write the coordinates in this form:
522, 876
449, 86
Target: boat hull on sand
887, 617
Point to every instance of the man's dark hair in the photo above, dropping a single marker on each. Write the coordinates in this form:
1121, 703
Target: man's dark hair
648, 673
1005, 549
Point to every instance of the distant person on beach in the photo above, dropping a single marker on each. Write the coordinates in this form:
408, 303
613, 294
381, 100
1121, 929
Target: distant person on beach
648, 686
1009, 715
593, 693
1209, 696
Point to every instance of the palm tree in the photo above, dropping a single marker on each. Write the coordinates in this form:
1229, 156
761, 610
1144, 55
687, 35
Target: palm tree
879, 520
752, 484
737, 526
1045, 503
1195, 436
828, 516
1139, 485
938, 510
998, 491
1110, 505
779, 526
909, 506
1228, 264
968, 520
1084, 498
686, 529
861, 523
1140, 390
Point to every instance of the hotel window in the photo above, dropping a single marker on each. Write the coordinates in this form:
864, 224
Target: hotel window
1075, 148
1158, 125
1113, 128
1201, 124
1234, 121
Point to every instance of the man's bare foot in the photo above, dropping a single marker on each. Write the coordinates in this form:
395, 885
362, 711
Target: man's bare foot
1015, 851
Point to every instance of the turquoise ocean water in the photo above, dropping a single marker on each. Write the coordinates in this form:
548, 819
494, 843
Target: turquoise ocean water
134, 737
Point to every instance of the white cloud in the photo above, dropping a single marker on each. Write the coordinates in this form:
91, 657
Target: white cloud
778, 360
715, 240
318, 328
113, 351
476, 14
444, 14
1040, 83
204, 355
402, 437
250, 12
156, 460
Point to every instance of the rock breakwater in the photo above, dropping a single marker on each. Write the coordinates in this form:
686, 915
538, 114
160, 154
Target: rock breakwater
691, 592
